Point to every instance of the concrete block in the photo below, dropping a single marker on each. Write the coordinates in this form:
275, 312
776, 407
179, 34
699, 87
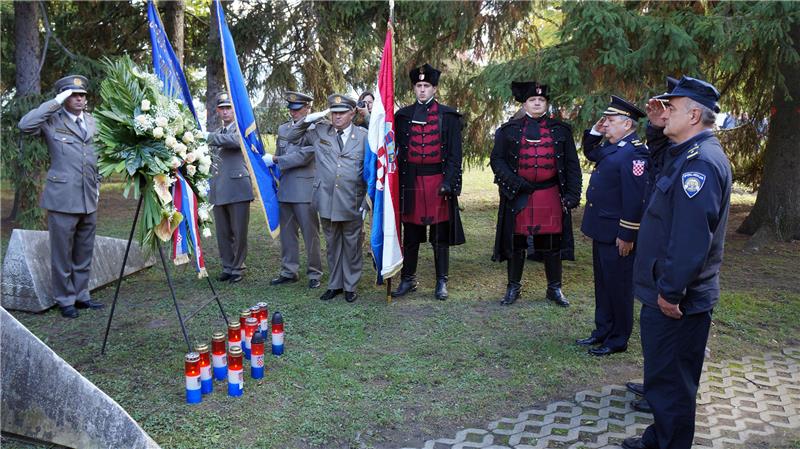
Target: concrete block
26, 283
46, 399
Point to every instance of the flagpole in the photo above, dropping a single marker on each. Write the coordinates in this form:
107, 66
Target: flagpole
391, 24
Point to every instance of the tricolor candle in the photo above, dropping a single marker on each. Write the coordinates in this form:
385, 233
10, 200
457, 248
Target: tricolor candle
277, 333
192, 372
235, 372
206, 384
234, 336
243, 316
257, 356
263, 318
254, 311
249, 329
219, 356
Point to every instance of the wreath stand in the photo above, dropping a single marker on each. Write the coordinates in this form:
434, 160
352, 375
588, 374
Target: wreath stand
181, 320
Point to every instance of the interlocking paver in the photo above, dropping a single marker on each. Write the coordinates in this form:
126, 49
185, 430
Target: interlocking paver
736, 401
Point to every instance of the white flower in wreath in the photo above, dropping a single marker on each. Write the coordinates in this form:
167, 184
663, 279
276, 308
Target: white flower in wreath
162, 121
203, 213
145, 105
191, 170
198, 134
206, 232
202, 150
191, 157
181, 149
188, 137
158, 132
203, 186
170, 142
175, 163
204, 169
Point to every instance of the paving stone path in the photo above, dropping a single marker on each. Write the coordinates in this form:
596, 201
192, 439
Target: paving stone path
737, 400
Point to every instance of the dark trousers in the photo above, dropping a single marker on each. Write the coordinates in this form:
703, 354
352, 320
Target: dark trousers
613, 295
439, 236
71, 249
231, 221
673, 361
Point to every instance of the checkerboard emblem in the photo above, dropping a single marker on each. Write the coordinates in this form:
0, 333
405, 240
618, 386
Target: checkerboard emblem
638, 167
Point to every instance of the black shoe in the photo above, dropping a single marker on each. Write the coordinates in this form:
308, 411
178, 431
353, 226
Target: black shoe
637, 389
641, 406
88, 305
605, 350
555, 295
235, 278
313, 283
589, 341
512, 294
441, 289
224, 277
350, 296
330, 294
407, 285
69, 312
282, 280
634, 443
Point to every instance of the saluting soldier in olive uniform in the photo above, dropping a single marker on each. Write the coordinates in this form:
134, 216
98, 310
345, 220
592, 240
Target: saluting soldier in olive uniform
339, 190
231, 193
71, 191
297, 166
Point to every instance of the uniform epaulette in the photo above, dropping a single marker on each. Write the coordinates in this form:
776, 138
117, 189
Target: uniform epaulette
637, 143
693, 152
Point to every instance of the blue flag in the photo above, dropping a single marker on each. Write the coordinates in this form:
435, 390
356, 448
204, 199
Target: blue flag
165, 64
266, 178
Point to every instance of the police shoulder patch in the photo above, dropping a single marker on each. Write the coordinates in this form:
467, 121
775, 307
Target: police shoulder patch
692, 182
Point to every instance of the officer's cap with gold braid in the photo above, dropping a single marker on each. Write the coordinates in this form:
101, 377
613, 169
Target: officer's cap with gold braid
296, 100
425, 73
77, 83
224, 100
621, 106
522, 90
341, 103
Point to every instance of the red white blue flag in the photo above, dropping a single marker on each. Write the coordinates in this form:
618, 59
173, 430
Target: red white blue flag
380, 172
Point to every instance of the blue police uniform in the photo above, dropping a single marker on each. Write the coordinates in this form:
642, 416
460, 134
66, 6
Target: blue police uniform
680, 247
614, 204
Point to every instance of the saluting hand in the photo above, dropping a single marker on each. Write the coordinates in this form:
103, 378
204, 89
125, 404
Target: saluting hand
599, 125
624, 247
655, 112
669, 309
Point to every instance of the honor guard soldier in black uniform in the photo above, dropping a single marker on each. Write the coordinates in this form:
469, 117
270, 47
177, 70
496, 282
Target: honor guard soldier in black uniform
537, 171
614, 205
71, 191
676, 272
429, 160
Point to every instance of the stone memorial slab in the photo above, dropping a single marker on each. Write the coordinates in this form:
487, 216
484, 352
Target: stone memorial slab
26, 284
46, 399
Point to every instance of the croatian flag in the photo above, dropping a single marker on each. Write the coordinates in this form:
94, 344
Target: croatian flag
380, 173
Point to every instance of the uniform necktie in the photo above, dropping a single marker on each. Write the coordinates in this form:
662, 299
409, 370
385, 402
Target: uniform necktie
339, 138
224, 130
79, 122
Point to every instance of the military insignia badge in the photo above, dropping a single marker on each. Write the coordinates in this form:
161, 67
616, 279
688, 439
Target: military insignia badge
692, 183
292, 97
538, 90
223, 97
78, 82
337, 100
638, 167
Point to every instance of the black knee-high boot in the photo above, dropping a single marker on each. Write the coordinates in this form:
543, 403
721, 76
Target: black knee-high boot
552, 270
516, 263
408, 275
441, 261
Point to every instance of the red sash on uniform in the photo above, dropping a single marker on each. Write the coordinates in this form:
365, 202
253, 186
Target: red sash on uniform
425, 158
537, 163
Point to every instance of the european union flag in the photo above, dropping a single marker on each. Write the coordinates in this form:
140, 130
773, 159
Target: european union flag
266, 178
165, 64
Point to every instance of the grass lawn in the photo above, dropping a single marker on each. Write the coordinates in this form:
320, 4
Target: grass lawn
372, 374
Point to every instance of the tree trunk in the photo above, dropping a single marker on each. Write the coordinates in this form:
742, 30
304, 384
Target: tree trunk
215, 76
174, 11
777, 208
28, 82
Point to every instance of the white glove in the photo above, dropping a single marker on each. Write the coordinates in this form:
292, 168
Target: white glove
61, 97
268, 159
310, 118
